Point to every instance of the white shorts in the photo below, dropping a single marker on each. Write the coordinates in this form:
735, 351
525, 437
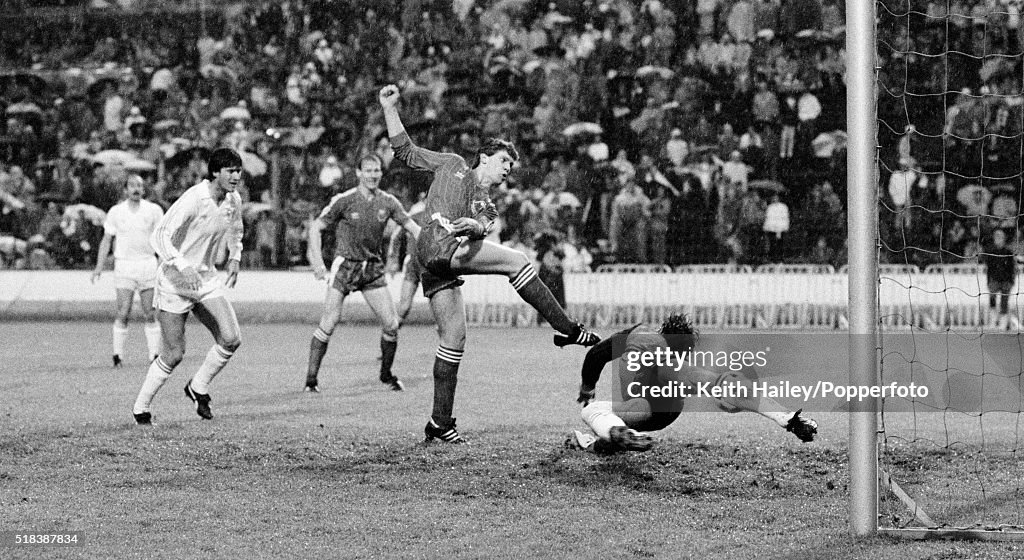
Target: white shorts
135, 275
171, 298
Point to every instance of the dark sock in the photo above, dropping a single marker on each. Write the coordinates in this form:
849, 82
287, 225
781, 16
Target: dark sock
317, 349
537, 294
387, 353
446, 372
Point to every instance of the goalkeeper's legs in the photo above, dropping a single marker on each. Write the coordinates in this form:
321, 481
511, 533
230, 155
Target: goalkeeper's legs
738, 400
610, 427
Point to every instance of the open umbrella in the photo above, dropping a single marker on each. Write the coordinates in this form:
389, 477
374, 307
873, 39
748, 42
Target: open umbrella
581, 128
113, 157
252, 164
302, 137
767, 185
23, 107
235, 113
139, 164
657, 71
165, 124
975, 199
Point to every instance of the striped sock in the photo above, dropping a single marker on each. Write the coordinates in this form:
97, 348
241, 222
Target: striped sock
446, 371
537, 294
156, 376
153, 338
120, 335
388, 347
215, 361
317, 349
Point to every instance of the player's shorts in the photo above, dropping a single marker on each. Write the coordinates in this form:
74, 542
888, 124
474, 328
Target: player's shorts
174, 299
135, 275
434, 249
353, 276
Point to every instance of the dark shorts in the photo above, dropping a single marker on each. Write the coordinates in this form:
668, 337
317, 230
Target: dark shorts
658, 420
353, 276
434, 249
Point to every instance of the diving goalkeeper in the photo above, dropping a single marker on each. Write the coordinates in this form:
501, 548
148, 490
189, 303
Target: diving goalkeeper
652, 397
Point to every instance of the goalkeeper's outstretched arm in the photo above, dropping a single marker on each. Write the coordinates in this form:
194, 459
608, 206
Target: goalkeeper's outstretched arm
595, 360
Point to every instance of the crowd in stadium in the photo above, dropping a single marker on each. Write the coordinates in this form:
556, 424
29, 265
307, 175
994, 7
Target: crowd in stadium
663, 132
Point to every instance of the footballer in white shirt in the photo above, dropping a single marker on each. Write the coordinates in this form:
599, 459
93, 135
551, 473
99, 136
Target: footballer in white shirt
186, 240
128, 226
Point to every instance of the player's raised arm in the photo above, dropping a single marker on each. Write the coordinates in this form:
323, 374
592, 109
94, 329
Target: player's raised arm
405, 151
388, 97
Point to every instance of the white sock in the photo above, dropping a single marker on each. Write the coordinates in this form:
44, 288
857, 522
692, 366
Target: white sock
153, 338
599, 416
215, 361
120, 335
781, 418
156, 376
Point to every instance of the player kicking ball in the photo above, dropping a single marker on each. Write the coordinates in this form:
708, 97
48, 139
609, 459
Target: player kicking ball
622, 425
186, 240
460, 214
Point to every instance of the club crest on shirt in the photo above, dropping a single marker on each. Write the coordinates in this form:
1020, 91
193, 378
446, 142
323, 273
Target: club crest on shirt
460, 175
354, 216
382, 215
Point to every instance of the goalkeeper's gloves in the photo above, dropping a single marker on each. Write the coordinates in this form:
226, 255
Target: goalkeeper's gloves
587, 394
803, 428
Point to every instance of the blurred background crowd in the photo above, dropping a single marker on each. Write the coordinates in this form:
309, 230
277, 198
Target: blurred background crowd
665, 132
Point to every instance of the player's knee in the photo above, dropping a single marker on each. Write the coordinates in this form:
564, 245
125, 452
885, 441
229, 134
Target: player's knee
516, 262
390, 330
452, 337
147, 315
231, 343
172, 355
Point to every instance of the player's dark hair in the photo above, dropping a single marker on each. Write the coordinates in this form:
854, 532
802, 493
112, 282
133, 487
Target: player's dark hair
678, 324
492, 146
680, 331
371, 157
221, 158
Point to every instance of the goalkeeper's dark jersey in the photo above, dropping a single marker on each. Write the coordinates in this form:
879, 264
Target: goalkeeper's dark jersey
455, 192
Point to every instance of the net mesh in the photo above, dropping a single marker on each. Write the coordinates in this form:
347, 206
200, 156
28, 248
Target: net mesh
950, 122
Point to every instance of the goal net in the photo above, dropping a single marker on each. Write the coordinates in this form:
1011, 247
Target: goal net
950, 117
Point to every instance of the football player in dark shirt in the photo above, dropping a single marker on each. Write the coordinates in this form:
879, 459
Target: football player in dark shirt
460, 214
359, 216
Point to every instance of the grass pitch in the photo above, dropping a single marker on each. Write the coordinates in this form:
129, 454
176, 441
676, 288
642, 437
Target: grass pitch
342, 474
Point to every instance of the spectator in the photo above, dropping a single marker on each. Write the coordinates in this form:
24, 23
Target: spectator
776, 228
676, 148
628, 223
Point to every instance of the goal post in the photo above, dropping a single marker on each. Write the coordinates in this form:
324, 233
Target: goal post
862, 201
951, 467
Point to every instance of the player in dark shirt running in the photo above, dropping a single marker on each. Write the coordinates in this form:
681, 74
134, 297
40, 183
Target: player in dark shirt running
360, 216
460, 215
